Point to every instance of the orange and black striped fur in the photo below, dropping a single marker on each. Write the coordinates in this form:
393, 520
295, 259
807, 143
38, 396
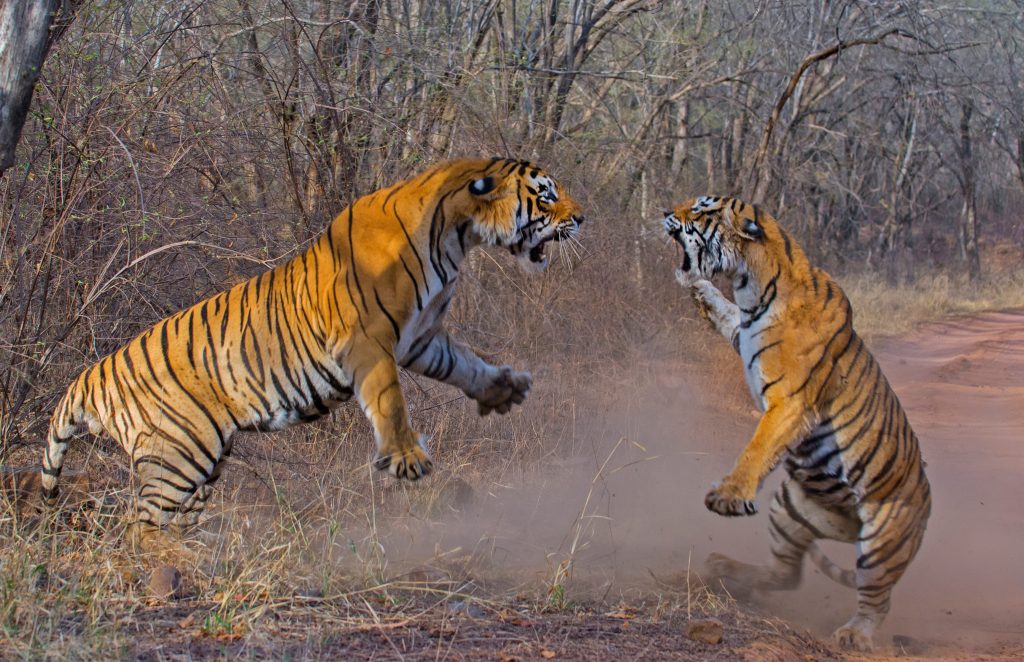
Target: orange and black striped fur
338, 320
855, 469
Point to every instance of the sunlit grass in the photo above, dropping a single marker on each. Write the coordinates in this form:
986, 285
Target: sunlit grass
881, 308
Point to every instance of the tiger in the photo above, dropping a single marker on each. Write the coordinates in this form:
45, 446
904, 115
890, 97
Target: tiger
339, 320
854, 465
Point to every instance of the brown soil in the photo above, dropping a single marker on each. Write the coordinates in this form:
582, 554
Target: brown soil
631, 506
435, 632
962, 382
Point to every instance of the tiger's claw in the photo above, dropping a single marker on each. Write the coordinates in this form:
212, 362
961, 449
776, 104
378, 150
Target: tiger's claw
850, 637
725, 500
410, 463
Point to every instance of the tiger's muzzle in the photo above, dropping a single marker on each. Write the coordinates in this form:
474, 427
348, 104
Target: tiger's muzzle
535, 236
675, 230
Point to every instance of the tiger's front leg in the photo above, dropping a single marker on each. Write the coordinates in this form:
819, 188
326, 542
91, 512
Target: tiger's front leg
444, 359
712, 305
400, 450
782, 423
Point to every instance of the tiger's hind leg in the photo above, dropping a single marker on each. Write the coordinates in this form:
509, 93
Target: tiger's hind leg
888, 542
169, 478
186, 519
795, 522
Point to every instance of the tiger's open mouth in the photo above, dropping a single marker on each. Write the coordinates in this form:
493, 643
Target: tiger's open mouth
537, 253
677, 236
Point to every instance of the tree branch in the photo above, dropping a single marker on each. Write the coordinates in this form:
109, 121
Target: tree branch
755, 181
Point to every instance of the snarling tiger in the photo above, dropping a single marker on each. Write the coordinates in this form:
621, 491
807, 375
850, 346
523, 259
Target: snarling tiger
338, 320
855, 468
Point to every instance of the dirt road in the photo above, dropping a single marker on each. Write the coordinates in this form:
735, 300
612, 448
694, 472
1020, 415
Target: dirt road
640, 494
962, 383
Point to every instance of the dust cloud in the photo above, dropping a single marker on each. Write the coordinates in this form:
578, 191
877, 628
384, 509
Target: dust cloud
632, 504
627, 503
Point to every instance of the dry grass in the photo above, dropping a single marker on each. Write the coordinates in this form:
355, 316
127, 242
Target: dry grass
884, 309
280, 578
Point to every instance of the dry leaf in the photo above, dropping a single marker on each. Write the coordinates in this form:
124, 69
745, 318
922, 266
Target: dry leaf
548, 655
228, 636
621, 614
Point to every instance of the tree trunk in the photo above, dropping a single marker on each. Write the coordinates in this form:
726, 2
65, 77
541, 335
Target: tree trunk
25, 38
969, 214
681, 124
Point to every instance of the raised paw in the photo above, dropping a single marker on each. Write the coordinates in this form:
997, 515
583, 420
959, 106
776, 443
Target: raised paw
411, 463
687, 278
851, 637
726, 499
704, 295
506, 389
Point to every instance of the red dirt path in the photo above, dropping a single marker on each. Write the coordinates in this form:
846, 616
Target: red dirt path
962, 384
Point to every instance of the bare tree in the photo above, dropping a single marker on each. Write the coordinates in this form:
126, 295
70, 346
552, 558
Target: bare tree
27, 30
174, 148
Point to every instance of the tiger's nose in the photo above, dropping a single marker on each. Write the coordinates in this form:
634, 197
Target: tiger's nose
666, 212
579, 219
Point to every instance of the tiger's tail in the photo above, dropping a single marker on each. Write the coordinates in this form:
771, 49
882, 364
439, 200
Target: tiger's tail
831, 570
67, 420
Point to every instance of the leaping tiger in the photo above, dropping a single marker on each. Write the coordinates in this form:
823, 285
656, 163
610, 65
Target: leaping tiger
287, 346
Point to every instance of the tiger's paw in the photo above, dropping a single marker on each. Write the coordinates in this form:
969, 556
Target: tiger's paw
157, 545
728, 500
702, 292
851, 637
688, 278
506, 389
410, 463
723, 575
700, 297
719, 566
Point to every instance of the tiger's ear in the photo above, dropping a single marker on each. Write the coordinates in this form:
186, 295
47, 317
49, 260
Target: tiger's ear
747, 227
490, 188
494, 207
750, 229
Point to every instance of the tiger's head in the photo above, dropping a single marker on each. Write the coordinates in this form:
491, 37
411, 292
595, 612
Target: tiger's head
716, 235
517, 205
